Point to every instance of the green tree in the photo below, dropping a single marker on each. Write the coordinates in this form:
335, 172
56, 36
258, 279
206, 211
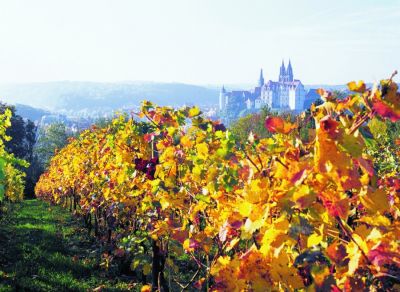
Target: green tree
102, 122
50, 139
251, 123
21, 144
22, 133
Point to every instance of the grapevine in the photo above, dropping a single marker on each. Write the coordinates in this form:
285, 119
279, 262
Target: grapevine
274, 213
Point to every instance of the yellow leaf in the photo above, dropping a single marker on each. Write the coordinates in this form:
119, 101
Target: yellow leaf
250, 227
364, 179
245, 208
186, 245
253, 191
202, 150
106, 193
232, 244
282, 271
171, 130
275, 235
164, 203
121, 178
375, 235
357, 87
146, 269
360, 242
197, 173
186, 142
314, 239
194, 111
376, 220
354, 256
222, 261
135, 264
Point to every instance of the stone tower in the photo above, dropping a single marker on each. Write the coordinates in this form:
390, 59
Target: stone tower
222, 100
261, 79
282, 73
289, 72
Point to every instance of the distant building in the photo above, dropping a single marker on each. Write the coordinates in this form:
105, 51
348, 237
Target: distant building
286, 94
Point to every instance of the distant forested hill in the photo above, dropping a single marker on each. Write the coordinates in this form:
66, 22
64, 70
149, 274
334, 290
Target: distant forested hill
31, 113
105, 96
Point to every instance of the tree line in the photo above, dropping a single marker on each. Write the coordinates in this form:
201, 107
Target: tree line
32, 144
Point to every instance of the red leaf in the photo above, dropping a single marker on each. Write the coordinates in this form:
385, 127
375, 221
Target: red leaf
148, 137
330, 126
366, 165
229, 229
119, 252
299, 176
180, 235
386, 111
199, 284
337, 209
194, 244
337, 253
382, 255
278, 125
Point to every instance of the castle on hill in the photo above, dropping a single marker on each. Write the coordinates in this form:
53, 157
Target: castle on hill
286, 94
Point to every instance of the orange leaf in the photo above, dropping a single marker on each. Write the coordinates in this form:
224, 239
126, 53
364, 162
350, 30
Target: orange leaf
357, 87
146, 288
278, 125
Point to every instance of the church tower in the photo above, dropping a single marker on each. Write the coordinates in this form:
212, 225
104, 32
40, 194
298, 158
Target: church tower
222, 100
261, 79
282, 73
289, 72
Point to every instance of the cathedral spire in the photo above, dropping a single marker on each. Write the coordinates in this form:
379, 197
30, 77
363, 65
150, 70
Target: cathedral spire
261, 79
289, 72
282, 72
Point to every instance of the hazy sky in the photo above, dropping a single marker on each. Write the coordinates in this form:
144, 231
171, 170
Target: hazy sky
198, 41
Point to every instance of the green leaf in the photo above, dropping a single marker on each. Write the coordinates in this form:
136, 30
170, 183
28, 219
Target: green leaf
1, 193
2, 166
368, 137
203, 198
352, 145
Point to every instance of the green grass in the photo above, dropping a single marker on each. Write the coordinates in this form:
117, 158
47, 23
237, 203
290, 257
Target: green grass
44, 248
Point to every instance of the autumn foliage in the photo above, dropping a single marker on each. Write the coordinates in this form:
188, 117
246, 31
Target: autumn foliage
12, 179
276, 213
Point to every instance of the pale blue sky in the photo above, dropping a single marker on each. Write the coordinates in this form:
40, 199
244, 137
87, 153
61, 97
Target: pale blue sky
198, 41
